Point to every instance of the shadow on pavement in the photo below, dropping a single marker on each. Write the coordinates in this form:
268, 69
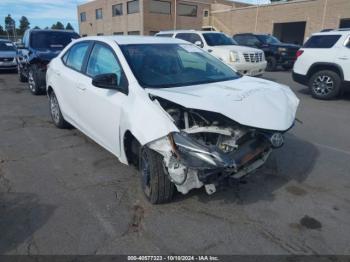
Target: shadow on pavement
293, 162
21, 215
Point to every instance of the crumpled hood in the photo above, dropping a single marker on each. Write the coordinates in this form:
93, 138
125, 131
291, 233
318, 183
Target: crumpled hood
249, 101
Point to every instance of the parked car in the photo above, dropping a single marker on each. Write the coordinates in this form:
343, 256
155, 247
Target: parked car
37, 50
184, 117
246, 60
8, 53
323, 64
276, 52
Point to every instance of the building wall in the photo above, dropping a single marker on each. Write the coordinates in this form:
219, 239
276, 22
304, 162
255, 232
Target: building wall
145, 21
109, 24
261, 19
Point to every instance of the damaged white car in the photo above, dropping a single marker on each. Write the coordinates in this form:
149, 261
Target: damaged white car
182, 116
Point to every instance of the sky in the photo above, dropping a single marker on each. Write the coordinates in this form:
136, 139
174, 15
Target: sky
44, 13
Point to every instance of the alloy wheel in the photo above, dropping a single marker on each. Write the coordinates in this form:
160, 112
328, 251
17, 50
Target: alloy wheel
55, 109
323, 85
31, 81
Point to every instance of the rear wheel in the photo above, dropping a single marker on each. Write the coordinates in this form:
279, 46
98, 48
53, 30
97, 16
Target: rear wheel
33, 81
325, 85
155, 181
55, 112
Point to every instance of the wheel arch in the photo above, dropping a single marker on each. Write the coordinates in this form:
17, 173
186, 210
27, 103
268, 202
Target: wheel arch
130, 148
325, 66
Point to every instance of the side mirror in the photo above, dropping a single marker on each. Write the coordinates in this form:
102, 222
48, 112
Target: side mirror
109, 81
199, 43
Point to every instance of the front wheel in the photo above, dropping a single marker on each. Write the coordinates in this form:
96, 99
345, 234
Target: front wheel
21, 77
325, 85
155, 181
33, 81
271, 64
55, 112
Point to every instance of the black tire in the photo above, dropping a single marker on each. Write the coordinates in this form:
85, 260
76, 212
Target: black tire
155, 181
33, 82
55, 112
271, 64
325, 85
21, 77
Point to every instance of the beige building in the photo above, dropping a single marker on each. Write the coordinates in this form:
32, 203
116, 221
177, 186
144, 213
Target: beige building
291, 21
145, 17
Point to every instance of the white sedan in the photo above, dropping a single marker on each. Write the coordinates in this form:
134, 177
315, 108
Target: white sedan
181, 115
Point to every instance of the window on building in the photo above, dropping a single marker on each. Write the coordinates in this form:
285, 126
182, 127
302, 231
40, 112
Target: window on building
133, 7
99, 13
117, 10
82, 17
206, 13
118, 33
187, 10
160, 7
322, 41
134, 33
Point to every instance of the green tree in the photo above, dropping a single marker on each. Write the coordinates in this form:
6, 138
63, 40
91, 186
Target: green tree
23, 25
2, 32
36, 27
69, 27
9, 24
58, 25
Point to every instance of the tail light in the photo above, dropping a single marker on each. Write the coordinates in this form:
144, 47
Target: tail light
299, 53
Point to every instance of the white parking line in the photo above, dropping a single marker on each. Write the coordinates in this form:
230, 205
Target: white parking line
333, 148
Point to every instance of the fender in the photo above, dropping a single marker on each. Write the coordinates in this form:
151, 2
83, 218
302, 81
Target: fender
325, 65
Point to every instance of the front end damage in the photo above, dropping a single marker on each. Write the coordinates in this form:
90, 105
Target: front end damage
210, 148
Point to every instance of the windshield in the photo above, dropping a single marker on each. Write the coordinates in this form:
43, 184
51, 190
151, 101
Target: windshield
51, 40
268, 39
6, 46
215, 39
171, 65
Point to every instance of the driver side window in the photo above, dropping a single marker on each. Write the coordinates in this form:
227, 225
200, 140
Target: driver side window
103, 61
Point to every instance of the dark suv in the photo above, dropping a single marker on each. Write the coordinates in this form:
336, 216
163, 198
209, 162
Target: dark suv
36, 51
276, 52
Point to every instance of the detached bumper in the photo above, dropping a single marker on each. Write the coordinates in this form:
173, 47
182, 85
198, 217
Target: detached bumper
250, 69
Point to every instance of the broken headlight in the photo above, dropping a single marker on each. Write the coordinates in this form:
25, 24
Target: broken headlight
193, 154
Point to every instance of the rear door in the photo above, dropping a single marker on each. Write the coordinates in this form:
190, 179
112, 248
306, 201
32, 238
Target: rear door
69, 75
343, 58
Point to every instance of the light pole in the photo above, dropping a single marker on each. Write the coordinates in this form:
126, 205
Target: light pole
256, 16
175, 14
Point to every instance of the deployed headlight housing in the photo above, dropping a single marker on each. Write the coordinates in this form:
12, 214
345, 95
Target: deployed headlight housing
234, 57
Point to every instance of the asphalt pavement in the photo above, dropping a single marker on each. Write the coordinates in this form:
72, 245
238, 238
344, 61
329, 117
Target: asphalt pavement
60, 193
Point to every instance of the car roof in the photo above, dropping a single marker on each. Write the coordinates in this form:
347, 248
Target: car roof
127, 40
187, 31
344, 31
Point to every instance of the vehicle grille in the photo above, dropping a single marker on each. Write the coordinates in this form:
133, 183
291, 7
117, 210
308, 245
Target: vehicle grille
253, 57
6, 59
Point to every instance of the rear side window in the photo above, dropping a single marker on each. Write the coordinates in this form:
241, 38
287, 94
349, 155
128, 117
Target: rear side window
189, 37
76, 55
322, 41
165, 35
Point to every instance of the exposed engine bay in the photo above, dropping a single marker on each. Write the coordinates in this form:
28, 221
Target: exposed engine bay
210, 147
